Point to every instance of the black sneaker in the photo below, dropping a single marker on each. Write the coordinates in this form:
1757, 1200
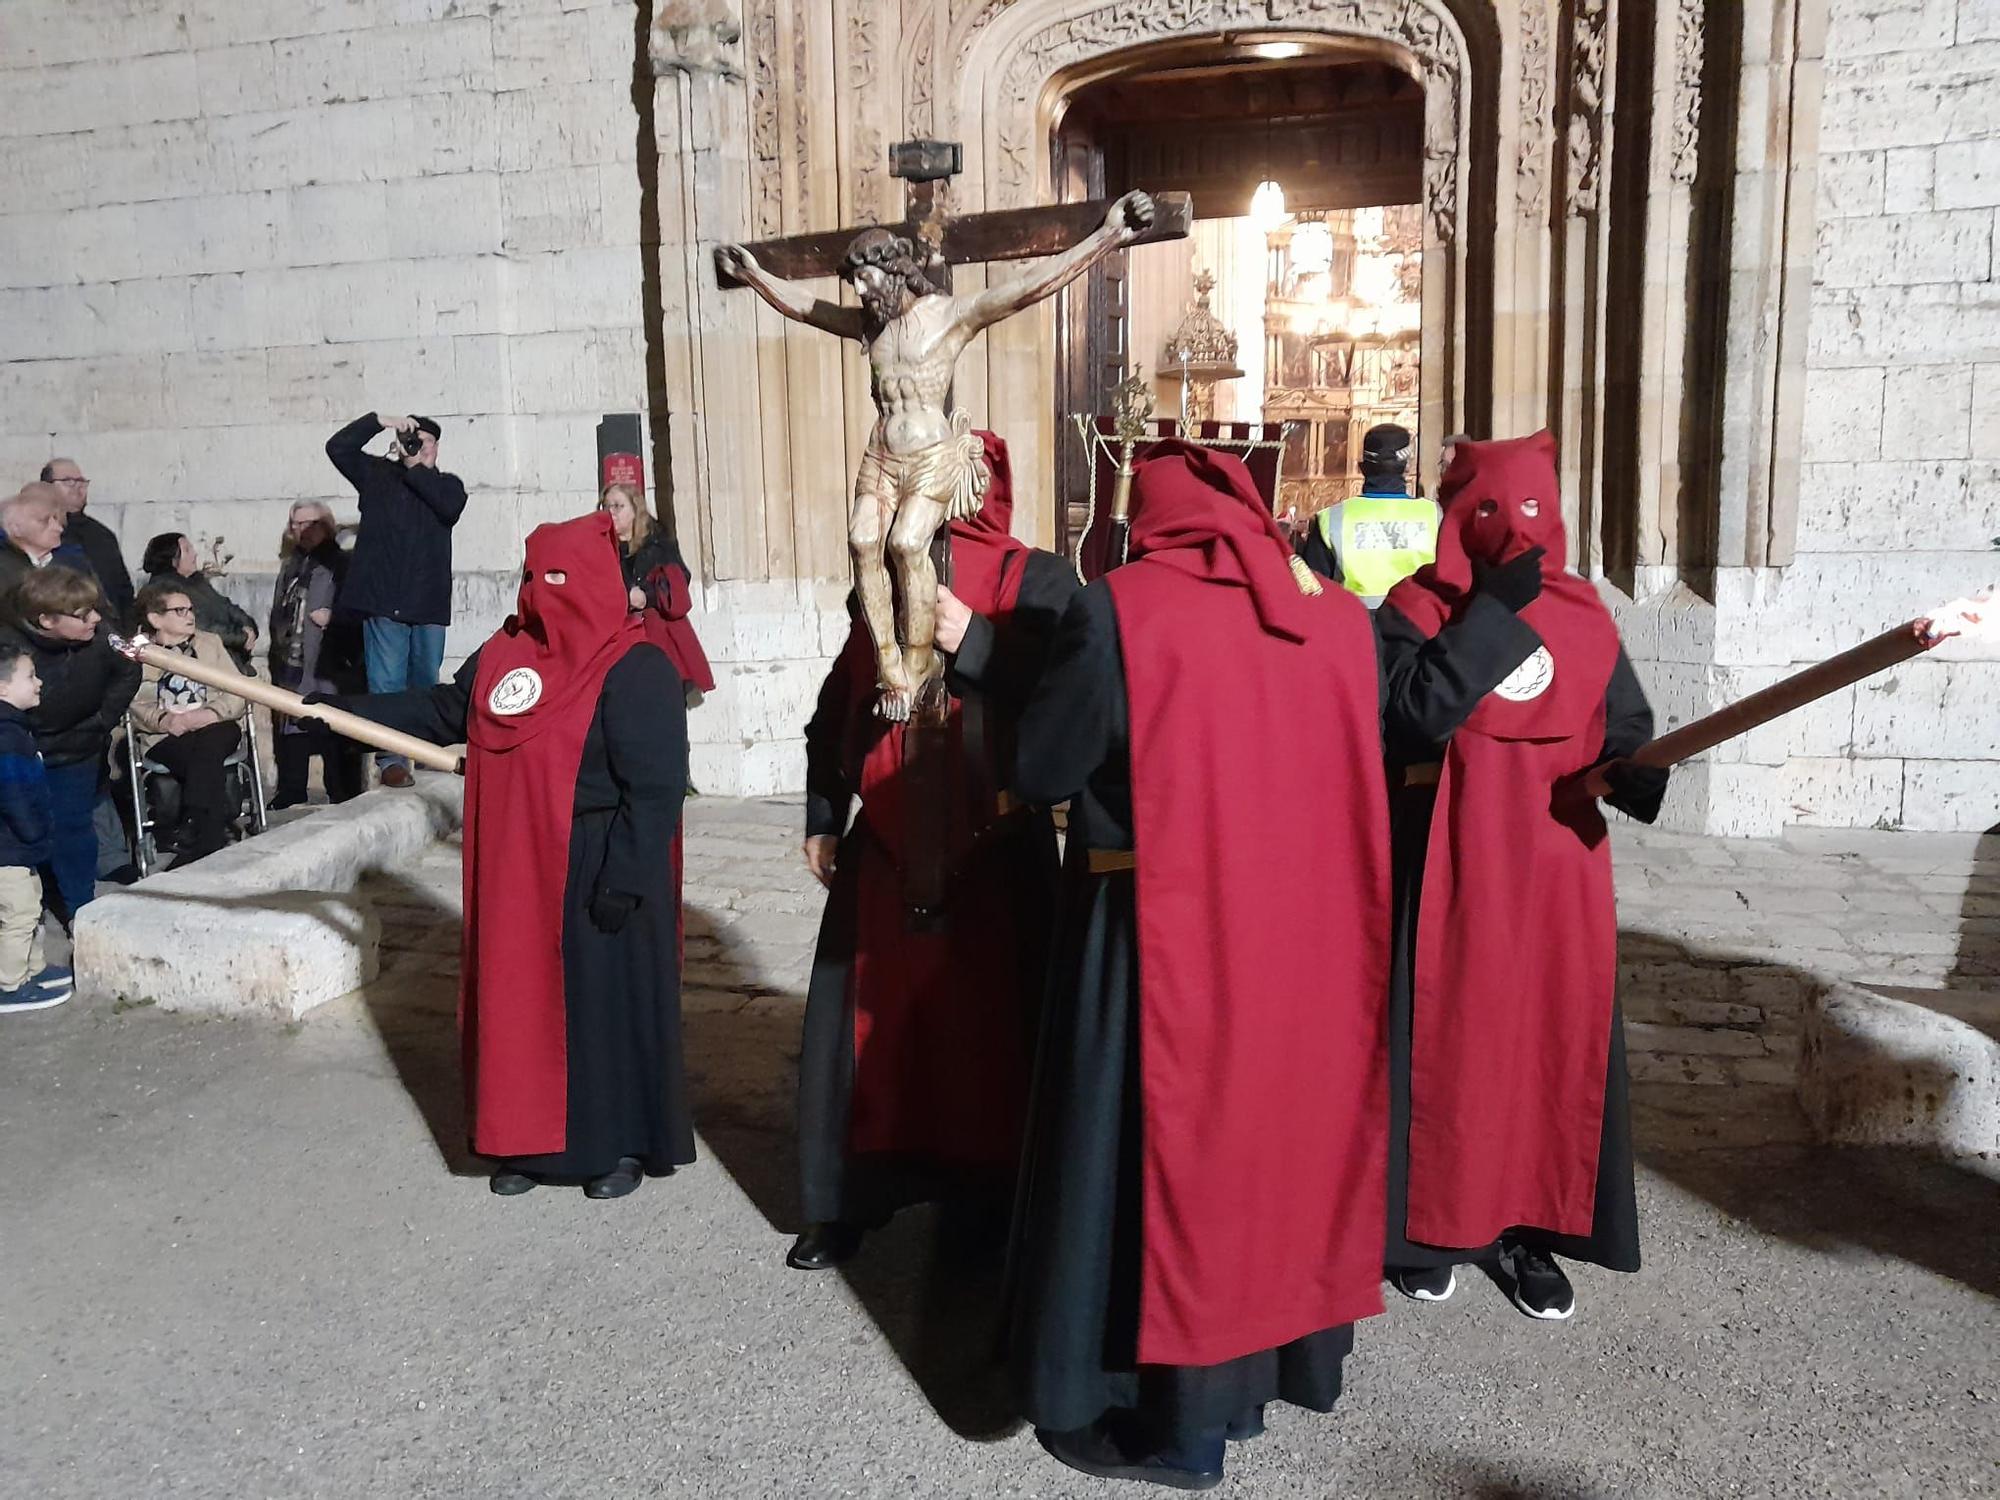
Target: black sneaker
1539, 1287
1427, 1283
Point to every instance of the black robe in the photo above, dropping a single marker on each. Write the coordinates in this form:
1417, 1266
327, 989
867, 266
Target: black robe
1073, 1313
627, 1091
997, 669
1433, 686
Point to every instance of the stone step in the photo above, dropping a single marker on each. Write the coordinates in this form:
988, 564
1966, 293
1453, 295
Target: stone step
1905, 1067
271, 926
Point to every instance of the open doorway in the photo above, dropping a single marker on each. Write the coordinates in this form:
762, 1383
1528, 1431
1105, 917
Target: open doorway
1295, 302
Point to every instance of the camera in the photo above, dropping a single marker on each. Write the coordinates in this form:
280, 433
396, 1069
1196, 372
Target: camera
412, 441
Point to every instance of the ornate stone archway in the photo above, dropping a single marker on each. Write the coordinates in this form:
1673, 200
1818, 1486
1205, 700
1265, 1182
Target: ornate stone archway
1626, 188
1013, 66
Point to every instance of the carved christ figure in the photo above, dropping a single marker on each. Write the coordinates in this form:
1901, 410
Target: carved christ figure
923, 465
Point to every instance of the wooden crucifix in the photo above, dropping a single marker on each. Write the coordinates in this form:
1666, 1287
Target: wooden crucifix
924, 465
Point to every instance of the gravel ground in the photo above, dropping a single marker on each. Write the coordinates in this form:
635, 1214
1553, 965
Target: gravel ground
238, 1264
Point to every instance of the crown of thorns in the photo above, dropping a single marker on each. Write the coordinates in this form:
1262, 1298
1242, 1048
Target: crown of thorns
889, 252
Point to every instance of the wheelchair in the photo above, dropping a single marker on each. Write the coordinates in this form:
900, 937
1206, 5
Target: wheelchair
155, 795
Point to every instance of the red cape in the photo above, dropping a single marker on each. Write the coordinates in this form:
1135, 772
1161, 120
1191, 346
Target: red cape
668, 626
533, 698
1262, 1055
940, 1069
1517, 936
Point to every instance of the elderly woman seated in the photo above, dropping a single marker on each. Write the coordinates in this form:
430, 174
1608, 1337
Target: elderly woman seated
186, 726
170, 559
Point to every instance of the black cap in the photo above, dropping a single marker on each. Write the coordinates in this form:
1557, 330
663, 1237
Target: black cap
429, 424
1386, 448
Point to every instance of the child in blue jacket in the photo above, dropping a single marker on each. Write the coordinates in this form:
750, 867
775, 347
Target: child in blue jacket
26, 843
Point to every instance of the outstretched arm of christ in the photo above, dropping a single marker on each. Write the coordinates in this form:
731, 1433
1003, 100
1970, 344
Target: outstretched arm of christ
1129, 217
788, 297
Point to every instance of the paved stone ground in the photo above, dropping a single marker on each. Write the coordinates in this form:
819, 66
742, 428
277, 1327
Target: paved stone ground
251, 1260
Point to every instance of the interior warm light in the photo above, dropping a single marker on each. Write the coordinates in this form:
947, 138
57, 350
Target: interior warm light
1278, 51
1267, 205
1311, 247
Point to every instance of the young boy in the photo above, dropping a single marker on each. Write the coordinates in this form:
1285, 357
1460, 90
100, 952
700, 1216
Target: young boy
26, 843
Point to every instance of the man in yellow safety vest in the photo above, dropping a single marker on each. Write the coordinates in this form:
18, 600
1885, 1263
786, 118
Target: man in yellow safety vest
1374, 541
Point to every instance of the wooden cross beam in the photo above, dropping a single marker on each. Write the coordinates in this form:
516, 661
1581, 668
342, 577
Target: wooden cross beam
959, 239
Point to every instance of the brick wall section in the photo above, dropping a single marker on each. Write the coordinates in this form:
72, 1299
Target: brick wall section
1900, 498
229, 226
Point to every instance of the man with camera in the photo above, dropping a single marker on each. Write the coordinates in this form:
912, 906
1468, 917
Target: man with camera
399, 579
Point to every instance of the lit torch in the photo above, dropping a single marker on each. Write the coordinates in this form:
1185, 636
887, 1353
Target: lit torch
364, 731
1974, 617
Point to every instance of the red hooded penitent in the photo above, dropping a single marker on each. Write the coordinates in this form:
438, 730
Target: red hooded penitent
1517, 940
533, 698
1261, 1056
940, 1067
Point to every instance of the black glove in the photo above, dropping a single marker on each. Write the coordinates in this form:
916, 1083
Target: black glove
1516, 584
611, 910
1636, 786
318, 698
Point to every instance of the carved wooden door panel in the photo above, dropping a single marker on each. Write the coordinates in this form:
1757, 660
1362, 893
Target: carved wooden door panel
1091, 333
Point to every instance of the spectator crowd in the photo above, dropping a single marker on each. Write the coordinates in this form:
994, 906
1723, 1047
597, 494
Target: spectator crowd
361, 609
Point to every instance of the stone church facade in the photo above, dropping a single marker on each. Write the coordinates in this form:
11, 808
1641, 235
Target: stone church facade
1739, 254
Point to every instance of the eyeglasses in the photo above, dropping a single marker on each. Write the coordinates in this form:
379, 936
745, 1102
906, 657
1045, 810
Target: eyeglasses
171, 609
87, 616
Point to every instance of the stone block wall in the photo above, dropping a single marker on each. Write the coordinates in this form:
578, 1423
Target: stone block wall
227, 227
1899, 499
1899, 503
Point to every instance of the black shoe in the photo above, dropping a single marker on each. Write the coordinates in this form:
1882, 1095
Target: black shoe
282, 801
509, 1183
399, 776
620, 1180
823, 1247
1425, 1284
1248, 1424
1538, 1287
1093, 1450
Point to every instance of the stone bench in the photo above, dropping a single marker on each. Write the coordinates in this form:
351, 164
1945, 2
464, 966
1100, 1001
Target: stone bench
271, 926
1904, 1067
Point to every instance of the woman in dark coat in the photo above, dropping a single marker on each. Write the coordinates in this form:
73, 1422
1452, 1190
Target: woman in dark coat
658, 585
313, 651
170, 559
576, 727
1508, 693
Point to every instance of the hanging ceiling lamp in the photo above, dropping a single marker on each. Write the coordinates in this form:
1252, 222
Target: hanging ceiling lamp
1267, 205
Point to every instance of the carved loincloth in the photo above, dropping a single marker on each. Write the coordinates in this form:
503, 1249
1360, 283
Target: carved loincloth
952, 472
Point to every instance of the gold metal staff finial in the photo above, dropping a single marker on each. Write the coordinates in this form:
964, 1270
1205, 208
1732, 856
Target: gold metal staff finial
1132, 406
1132, 410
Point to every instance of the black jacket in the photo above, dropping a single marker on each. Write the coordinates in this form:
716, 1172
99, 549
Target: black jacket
26, 819
86, 688
401, 567
100, 544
